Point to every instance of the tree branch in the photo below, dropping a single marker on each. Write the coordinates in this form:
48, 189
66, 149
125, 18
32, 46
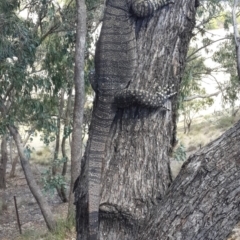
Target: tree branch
203, 201
204, 46
201, 96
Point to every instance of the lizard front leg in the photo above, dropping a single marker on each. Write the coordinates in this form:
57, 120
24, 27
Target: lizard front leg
129, 97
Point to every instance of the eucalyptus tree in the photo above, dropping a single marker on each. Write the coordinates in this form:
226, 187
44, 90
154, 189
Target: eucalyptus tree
139, 199
228, 56
58, 64
22, 77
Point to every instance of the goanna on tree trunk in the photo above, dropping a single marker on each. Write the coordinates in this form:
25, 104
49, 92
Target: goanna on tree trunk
135, 171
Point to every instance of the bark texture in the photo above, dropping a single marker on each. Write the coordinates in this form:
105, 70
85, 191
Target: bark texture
136, 171
203, 201
3, 163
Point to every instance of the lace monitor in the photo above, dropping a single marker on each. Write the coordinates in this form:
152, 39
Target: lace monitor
115, 62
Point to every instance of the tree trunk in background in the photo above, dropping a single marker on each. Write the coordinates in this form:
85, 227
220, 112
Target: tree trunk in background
13, 169
76, 145
15, 160
60, 189
236, 35
3, 163
136, 170
65, 135
34, 188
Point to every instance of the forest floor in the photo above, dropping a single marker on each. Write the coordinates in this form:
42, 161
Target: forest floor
32, 223
203, 130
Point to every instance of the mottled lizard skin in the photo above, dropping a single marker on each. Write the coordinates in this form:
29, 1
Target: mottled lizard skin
115, 62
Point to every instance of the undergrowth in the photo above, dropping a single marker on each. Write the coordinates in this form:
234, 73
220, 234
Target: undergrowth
65, 230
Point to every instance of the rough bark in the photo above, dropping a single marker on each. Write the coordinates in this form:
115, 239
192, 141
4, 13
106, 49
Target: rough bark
136, 172
3, 163
76, 145
203, 201
34, 188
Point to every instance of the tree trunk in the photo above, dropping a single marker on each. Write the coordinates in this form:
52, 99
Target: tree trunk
65, 135
236, 35
60, 188
76, 145
136, 170
3, 164
34, 188
203, 201
14, 160
13, 169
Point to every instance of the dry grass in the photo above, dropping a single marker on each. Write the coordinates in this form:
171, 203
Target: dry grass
204, 130
65, 230
42, 156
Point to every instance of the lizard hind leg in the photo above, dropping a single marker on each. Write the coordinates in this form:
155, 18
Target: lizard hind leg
129, 97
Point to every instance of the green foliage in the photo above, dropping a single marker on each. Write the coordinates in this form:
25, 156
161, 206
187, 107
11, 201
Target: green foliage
194, 70
64, 227
208, 11
180, 153
220, 21
191, 85
226, 56
53, 182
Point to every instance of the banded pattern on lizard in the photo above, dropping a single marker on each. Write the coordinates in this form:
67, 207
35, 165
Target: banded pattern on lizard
115, 62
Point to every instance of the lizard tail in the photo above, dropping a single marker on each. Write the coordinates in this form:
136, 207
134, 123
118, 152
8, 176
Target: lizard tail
101, 124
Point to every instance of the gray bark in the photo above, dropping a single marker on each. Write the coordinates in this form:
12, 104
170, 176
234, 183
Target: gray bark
34, 188
76, 145
203, 201
136, 173
3, 163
